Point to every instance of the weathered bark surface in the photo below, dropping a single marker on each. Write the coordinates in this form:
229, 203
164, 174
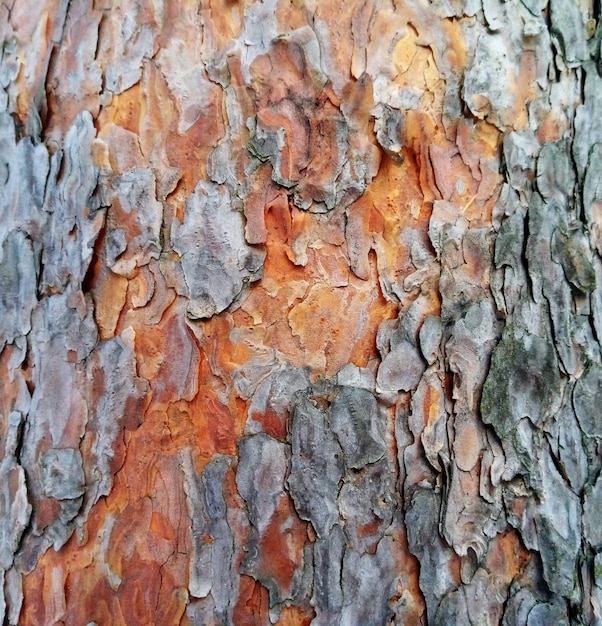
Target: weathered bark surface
299, 312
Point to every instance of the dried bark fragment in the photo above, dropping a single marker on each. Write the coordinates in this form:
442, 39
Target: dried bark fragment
327, 597
211, 565
15, 507
260, 476
317, 464
421, 515
75, 217
367, 582
484, 91
17, 287
62, 474
355, 421
216, 261
135, 217
271, 402
402, 364
118, 399
367, 506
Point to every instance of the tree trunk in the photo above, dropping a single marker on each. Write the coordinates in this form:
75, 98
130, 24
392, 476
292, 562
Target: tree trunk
300, 308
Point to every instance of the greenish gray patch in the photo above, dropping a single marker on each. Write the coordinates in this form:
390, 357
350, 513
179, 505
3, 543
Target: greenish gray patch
568, 27
523, 381
592, 505
598, 569
587, 397
571, 249
509, 241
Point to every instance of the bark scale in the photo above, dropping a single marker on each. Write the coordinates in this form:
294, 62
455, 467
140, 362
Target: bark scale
300, 308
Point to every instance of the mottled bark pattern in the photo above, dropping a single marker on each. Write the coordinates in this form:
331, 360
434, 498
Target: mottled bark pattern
300, 308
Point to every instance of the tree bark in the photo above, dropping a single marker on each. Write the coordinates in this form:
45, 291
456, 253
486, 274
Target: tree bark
300, 308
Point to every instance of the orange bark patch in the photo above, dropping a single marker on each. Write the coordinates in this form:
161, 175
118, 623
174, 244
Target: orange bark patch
128, 107
253, 603
189, 151
47, 512
408, 587
296, 616
171, 366
507, 556
281, 546
13, 387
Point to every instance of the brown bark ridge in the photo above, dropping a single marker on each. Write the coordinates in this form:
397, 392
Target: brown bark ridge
300, 308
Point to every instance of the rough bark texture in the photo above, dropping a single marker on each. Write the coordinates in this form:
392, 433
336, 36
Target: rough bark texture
300, 308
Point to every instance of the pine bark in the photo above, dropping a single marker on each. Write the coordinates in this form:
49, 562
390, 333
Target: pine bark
300, 309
